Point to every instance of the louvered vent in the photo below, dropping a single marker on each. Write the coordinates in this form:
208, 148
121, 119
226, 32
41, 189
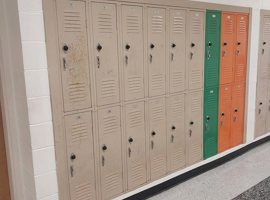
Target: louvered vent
266, 27
79, 132
112, 182
243, 26
105, 23
157, 113
157, 24
110, 124
109, 88
229, 25
135, 118
133, 24
73, 21
77, 92
178, 25
83, 192
196, 25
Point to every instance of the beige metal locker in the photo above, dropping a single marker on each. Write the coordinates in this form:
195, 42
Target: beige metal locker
135, 139
195, 49
74, 56
105, 53
176, 156
157, 124
264, 51
110, 152
194, 129
268, 108
80, 156
261, 108
156, 51
133, 40
177, 51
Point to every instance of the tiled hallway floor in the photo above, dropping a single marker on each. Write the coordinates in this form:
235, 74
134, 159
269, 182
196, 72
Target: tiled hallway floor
226, 181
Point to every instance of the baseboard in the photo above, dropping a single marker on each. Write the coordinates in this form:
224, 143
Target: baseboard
195, 172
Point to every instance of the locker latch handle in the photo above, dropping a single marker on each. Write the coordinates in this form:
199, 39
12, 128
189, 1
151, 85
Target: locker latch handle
221, 122
129, 152
126, 60
172, 56
172, 138
103, 160
151, 58
269, 108
71, 171
260, 111
65, 64
234, 119
223, 53
152, 144
208, 55
98, 62
237, 52
206, 127
190, 132
262, 51
191, 55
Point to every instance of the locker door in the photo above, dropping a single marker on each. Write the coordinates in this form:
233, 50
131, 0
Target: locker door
237, 113
105, 52
210, 133
157, 123
241, 49
74, 56
268, 108
194, 129
264, 51
177, 50
80, 156
195, 48
224, 118
227, 53
132, 26
135, 132
110, 152
212, 49
261, 108
176, 132
156, 51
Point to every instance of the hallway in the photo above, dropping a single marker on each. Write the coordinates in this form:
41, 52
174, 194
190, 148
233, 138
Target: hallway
226, 181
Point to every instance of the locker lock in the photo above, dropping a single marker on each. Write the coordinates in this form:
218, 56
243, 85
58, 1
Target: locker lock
153, 133
209, 44
222, 114
235, 110
173, 45
127, 46
173, 127
207, 118
191, 123
192, 44
264, 43
225, 43
104, 147
152, 46
130, 140
238, 43
261, 103
65, 47
99, 47
73, 156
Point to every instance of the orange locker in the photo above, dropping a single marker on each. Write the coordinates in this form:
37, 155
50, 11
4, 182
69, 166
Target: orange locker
227, 55
224, 118
241, 47
237, 113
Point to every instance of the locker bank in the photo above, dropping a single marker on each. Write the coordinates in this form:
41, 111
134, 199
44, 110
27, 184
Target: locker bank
109, 99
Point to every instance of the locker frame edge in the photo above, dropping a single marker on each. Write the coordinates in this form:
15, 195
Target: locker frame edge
52, 49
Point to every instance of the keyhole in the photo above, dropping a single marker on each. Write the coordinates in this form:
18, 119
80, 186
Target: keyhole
65, 47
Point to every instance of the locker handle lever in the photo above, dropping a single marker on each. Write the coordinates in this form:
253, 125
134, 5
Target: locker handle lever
172, 56
71, 171
65, 64
152, 144
129, 152
221, 122
126, 60
260, 111
151, 58
191, 55
103, 160
234, 119
206, 127
223, 53
237, 52
262, 51
98, 62
190, 132
208, 55
269, 108
172, 138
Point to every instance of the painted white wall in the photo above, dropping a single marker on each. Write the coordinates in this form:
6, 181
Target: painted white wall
38, 93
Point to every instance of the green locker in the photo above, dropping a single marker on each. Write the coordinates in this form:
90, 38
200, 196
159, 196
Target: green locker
210, 121
212, 48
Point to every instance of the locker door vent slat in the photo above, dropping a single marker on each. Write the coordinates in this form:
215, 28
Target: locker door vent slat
77, 92
110, 124
178, 79
158, 113
105, 23
178, 25
157, 24
108, 88
229, 26
243, 26
83, 192
266, 27
112, 182
137, 172
135, 119
72, 21
133, 24
135, 84
158, 81
196, 26
79, 132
